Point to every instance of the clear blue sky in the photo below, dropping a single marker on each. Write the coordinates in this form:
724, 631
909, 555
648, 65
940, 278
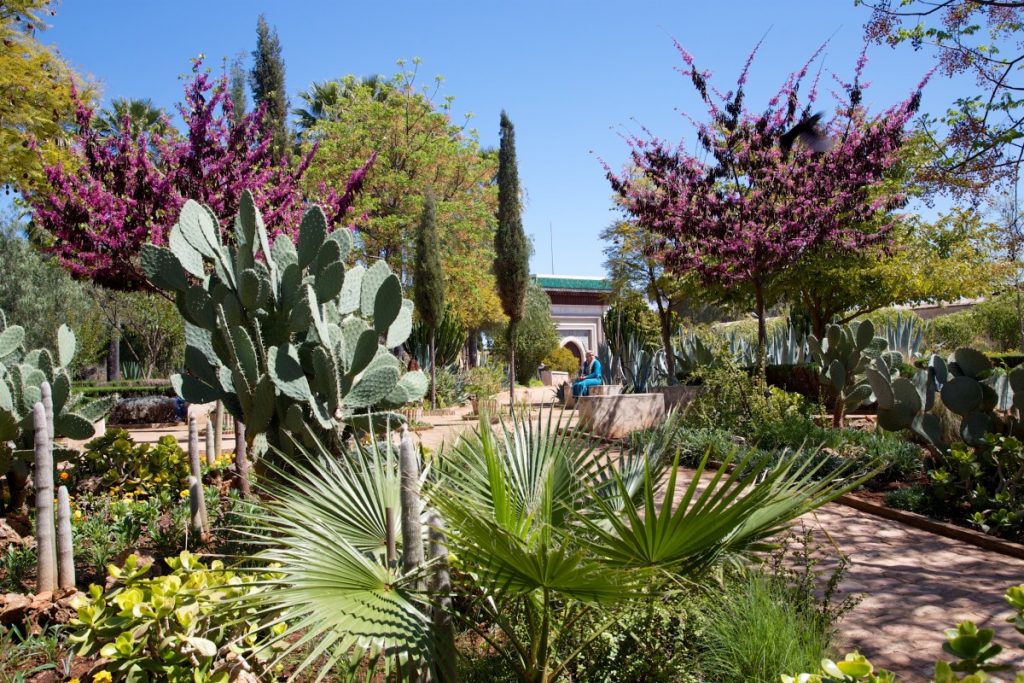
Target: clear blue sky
572, 75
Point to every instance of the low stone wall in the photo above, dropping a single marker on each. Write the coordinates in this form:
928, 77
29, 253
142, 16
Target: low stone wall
615, 417
599, 390
553, 378
679, 396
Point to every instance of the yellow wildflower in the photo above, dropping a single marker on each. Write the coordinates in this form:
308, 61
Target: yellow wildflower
183, 493
102, 677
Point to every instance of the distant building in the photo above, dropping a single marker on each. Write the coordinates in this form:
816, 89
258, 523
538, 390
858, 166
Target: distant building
578, 305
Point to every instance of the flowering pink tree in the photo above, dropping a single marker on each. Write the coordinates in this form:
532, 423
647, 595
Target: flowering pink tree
127, 190
756, 199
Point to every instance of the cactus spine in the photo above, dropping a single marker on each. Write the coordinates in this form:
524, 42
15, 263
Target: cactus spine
65, 541
200, 520
291, 342
46, 548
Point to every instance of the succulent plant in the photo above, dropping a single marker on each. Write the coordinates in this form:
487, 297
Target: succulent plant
693, 355
290, 340
904, 403
842, 358
782, 347
971, 393
22, 374
905, 335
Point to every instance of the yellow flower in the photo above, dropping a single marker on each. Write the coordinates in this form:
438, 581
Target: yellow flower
74, 680
102, 677
77, 515
183, 493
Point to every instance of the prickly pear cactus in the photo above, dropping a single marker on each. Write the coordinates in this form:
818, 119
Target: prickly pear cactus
842, 358
21, 376
971, 393
906, 404
289, 339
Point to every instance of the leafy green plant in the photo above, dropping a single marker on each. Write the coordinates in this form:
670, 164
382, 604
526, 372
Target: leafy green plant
563, 360
184, 627
483, 381
122, 465
15, 564
450, 339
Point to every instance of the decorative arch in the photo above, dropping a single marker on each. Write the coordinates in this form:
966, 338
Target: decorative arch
575, 347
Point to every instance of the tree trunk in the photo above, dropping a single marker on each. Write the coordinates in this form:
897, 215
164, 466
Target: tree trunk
433, 369
474, 349
511, 335
114, 354
762, 332
242, 461
1020, 315
665, 319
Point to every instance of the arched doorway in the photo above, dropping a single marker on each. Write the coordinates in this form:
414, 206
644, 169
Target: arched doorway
576, 349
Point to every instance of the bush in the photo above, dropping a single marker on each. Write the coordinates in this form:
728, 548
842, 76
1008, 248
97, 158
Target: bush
913, 498
172, 628
1006, 359
484, 381
562, 360
536, 336
451, 387
138, 468
949, 332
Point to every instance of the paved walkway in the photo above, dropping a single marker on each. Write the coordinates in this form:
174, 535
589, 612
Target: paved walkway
914, 584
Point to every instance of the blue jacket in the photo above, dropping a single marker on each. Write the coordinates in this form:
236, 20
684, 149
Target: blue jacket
595, 370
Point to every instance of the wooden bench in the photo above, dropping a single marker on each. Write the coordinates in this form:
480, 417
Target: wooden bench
618, 415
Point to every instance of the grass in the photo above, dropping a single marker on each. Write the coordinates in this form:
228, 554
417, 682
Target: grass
759, 632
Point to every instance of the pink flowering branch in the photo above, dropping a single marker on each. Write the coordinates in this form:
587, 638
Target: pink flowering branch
127, 190
744, 209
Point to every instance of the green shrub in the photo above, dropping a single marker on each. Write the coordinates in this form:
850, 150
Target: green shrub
562, 360
1006, 359
913, 498
451, 387
179, 628
484, 381
953, 331
138, 468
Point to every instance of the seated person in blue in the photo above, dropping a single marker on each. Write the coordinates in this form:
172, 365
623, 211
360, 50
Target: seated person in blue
590, 376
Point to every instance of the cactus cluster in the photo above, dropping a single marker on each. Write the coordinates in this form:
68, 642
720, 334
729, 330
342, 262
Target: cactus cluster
968, 387
842, 358
22, 374
782, 347
284, 335
905, 335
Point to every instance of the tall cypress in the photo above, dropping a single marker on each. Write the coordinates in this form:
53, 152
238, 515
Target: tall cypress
267, 81
512, 250
237, 86
428, 283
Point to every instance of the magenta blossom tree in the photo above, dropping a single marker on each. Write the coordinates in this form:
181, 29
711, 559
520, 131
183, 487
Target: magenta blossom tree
766, 188
127, 190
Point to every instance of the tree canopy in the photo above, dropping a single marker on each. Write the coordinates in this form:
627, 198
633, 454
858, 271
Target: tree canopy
418, 149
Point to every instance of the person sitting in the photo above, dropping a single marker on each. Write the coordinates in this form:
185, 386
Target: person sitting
590, 376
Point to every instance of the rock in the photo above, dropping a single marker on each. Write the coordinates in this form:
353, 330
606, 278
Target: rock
13, 608
19, 523
144, 410
10, 536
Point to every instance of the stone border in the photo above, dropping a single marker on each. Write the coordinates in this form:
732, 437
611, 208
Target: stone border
913, 519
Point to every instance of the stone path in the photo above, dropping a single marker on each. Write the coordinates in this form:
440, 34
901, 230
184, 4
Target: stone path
913, 584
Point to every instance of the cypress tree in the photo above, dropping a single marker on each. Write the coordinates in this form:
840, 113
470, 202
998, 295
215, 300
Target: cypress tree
267, 81
237, 85
428, 283
512, 250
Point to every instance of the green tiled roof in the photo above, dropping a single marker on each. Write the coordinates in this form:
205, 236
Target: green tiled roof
583, 284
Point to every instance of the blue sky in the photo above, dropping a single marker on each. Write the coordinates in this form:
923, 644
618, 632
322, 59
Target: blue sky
572, 75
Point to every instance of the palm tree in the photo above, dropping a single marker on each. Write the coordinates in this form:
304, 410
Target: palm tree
546, 527
141, 115
322, 98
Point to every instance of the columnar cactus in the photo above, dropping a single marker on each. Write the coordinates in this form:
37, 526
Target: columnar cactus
842, 358
46, 543
65, 541
22, 376
289, 339
199, 502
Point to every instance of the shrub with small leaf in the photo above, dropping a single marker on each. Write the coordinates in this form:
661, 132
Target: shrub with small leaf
287, 337
118, 462
179, 628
